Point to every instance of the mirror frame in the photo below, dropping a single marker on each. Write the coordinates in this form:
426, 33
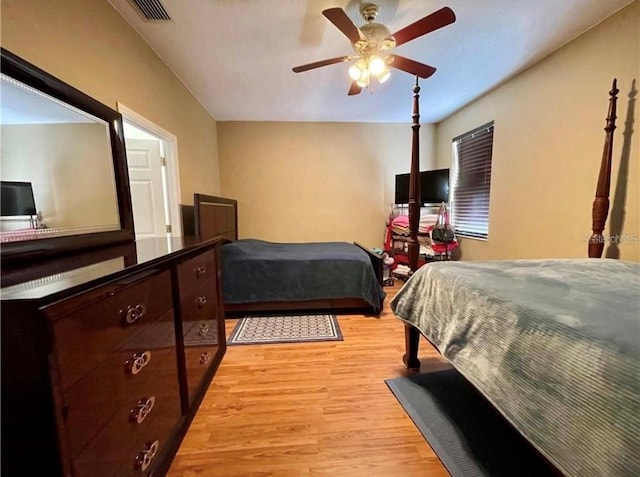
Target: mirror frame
31, 75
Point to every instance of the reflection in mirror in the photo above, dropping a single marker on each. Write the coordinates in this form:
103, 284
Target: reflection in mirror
57, 168
61, 281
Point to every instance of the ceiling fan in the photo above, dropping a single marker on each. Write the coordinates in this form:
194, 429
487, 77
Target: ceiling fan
372, 42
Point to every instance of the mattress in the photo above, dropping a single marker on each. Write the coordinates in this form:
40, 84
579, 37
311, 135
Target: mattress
554, 345
259, 271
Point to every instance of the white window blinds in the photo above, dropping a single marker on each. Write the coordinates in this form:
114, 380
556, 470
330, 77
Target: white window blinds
471, 174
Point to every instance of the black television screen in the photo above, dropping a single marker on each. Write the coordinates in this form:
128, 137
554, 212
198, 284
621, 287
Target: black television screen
434, 187
16, 199
402, 189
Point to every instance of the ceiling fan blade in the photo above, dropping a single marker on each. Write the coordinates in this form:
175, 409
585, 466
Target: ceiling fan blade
354, 89
437, 19
318, 64
411, 66
339, 18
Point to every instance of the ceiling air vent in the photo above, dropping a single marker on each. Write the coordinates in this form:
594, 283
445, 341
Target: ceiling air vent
152, 9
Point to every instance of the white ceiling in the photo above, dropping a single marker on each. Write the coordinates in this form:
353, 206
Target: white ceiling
236, 56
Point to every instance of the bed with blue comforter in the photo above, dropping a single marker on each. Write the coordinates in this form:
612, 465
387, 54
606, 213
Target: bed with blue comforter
260, 272
554, 345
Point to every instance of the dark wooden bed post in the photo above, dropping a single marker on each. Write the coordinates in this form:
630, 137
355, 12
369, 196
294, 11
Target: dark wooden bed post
414, 183
600, 209
411, 345
411, 334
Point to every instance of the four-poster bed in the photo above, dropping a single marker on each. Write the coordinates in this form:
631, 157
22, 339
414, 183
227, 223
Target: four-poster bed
552, 344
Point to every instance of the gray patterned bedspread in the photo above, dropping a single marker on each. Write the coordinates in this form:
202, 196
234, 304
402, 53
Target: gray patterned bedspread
554, 345
258, 271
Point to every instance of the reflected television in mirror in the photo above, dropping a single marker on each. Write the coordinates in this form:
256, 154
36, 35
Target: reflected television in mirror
16, 199
69, 149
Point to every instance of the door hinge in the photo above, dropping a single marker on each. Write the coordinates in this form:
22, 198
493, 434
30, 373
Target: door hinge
168, 228
163, 161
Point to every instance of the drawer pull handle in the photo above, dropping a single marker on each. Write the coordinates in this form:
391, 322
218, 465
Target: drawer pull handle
205, 357
203, 329
201, 301
200, 271
144, 458
138, 361
141, 410
132, 314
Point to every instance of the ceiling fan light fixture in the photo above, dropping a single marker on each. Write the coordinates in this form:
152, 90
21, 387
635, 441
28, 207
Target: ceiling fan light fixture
363, 82
377, 65
354, 72
357, 70
384, 76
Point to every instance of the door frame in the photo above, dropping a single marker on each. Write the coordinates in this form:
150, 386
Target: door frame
169, 143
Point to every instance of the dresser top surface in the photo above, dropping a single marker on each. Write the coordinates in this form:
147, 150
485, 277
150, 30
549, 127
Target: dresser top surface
74, 272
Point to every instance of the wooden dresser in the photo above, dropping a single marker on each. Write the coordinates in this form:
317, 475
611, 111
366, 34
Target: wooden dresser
106, 360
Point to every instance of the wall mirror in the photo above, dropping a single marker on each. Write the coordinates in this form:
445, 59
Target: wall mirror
64, 180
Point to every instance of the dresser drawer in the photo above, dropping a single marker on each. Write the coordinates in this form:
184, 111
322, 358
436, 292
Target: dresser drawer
200, 305
198, 360
200, 328
91, 327
127, 375
149, 414
198, 273
200, 317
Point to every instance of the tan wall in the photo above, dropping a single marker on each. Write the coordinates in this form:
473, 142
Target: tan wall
90, 46
301, 182
548, 143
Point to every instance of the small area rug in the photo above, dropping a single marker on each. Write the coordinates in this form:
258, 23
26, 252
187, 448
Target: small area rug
269, 329
469, 436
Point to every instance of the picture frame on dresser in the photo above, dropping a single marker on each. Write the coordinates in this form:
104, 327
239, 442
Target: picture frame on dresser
38, 111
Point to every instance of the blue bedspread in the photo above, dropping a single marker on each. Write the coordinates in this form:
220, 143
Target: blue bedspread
258, 271
553, 344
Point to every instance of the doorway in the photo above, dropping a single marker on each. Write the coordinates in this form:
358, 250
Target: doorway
152, 161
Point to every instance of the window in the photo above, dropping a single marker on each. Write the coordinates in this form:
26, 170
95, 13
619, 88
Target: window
471, 177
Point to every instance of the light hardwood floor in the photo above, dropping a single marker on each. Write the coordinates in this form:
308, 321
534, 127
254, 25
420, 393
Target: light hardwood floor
311, 409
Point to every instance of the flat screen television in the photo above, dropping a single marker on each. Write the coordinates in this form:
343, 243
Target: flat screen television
16, 199
434, 187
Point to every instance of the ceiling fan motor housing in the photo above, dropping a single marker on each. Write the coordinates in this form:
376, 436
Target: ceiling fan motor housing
377, 38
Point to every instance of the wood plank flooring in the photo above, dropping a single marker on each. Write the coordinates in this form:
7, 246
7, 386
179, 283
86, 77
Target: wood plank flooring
311, 409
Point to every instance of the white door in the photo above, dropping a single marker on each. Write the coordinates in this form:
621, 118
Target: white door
145, 179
